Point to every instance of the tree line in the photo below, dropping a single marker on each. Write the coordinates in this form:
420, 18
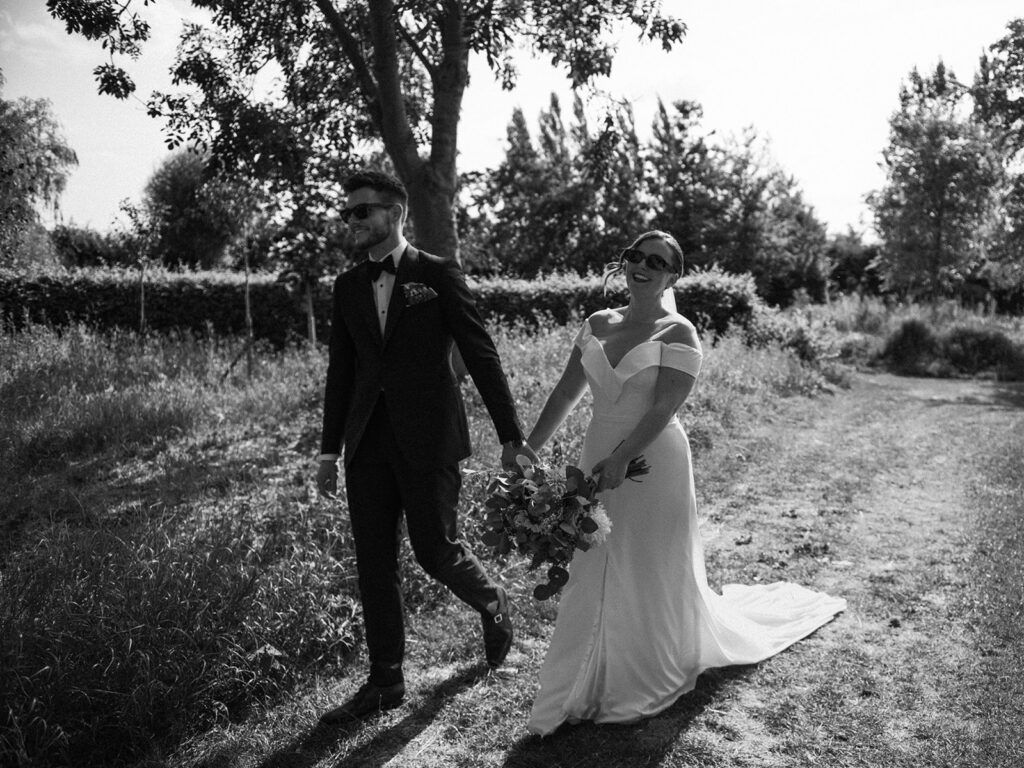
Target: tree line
256, 181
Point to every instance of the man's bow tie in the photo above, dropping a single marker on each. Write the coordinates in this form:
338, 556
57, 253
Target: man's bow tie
384, 265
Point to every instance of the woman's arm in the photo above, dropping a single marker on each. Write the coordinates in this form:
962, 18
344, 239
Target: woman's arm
670, 392
563, 398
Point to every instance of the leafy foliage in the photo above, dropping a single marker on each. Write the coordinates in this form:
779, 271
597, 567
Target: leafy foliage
389, 74
854, 264
533, 510
213, 302
34, 164
574, 197
942, 172
196, 303
569, 201
195, 215
961, 349
84, 247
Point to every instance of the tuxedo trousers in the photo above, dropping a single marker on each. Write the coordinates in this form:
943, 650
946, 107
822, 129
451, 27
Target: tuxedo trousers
382, 484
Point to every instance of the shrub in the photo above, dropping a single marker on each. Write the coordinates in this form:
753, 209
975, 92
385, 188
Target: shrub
198, 302
859, 314
965, 348
204, 302
972, 350
84, 247
809, 337
913, 348
712, 299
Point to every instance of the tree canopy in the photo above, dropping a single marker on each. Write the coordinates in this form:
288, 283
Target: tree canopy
943, 174
34, 164
389, 72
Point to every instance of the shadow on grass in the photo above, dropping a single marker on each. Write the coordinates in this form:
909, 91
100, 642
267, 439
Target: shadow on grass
638, 744
1002, 395
95, 489
310, 748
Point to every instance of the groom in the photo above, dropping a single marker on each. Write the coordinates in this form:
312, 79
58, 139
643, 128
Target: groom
393, 402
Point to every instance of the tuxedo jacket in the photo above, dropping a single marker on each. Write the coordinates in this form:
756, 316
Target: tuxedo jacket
409, 365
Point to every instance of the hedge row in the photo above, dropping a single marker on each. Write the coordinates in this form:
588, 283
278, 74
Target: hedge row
204, 303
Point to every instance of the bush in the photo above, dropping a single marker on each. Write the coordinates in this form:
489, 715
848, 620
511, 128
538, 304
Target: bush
974, 350
913, 348
84, 247
205, 302
199, 303
714, 300
811, 339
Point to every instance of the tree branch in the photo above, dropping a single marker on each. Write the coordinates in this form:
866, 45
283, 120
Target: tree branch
418, 51
350, 48
449, 87
394, 124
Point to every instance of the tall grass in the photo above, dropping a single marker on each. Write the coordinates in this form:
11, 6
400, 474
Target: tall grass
167, 563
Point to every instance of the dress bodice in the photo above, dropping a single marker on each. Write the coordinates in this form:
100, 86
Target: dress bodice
626, 390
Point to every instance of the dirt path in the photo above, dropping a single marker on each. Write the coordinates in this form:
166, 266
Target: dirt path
869, 494
874, 493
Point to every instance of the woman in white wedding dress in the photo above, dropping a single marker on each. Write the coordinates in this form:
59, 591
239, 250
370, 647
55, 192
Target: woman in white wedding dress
637, 622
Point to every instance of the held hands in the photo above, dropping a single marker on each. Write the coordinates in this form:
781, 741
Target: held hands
511, 449
327, 477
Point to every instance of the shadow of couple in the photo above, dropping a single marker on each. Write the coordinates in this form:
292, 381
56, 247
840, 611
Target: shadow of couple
312, 747
315, 745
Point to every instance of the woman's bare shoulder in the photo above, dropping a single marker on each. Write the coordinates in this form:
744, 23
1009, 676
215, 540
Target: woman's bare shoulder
678, 330
602, 320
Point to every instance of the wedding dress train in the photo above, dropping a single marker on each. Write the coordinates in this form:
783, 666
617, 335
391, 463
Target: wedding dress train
637, 622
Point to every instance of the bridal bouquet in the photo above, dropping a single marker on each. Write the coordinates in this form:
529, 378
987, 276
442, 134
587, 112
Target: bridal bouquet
534, 511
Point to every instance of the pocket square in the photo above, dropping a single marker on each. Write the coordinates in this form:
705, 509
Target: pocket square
417, 293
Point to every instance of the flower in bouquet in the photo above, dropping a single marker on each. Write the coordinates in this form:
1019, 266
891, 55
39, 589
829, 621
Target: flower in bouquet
548, 515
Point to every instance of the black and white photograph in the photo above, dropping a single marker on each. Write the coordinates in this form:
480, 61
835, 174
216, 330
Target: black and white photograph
511, 384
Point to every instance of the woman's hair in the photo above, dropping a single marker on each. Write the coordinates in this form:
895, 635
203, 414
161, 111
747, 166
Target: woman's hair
615, 267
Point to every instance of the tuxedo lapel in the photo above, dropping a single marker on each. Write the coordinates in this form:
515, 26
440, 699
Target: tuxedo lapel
364, 303
408, 271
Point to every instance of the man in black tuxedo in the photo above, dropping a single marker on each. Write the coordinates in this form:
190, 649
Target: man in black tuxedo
392, 405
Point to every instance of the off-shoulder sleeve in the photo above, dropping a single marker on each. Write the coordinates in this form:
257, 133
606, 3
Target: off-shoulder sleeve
583, 336
681, 357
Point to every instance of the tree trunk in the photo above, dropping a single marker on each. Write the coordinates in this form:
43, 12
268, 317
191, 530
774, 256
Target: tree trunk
248, 321
308, 285
432, 210
937, 242
142, 297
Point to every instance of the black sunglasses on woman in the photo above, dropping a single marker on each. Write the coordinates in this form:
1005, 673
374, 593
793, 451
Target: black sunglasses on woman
652, 260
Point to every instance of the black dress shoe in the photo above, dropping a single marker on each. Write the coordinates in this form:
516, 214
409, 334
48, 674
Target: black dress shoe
368, 700
498, 632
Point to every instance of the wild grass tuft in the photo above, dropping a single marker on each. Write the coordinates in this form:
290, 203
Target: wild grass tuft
118, 638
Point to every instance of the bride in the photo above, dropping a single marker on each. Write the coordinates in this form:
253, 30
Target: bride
637, 622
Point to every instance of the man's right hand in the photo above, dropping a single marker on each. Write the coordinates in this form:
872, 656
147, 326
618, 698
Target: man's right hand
327, 477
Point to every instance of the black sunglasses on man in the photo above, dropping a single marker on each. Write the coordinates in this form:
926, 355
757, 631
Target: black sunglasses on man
361, 211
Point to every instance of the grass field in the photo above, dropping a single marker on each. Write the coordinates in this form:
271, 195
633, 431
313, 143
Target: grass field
173, 591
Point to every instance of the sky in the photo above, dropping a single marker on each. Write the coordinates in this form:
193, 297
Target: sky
817, 79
